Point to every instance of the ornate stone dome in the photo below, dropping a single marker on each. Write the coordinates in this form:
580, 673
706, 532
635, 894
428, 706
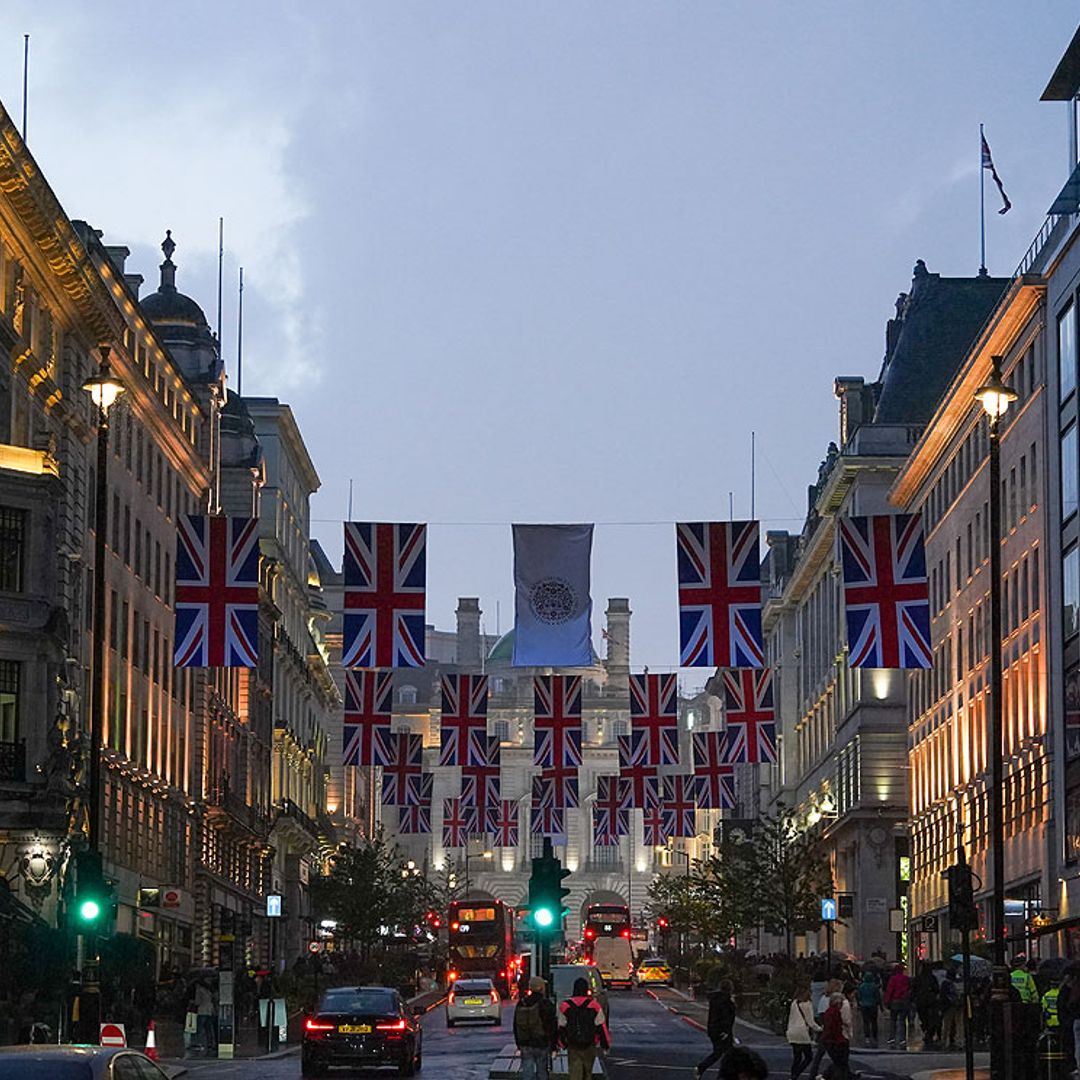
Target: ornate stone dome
169, 308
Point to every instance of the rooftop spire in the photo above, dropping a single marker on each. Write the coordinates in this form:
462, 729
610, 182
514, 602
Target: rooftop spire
168, 267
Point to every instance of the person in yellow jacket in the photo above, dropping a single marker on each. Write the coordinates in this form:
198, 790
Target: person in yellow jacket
1023, 982
1050, 1017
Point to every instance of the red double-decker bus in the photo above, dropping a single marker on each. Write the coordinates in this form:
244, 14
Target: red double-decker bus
481, 942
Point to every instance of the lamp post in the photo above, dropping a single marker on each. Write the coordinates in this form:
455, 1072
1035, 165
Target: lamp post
474, 855
995, 398
684, 935
104, 388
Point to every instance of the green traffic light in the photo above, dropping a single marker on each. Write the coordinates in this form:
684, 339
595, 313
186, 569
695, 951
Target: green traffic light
543, 916
89, 910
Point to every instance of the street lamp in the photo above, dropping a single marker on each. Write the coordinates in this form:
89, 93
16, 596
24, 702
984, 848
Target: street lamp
474, 855
104, 388
684, 935
995, 398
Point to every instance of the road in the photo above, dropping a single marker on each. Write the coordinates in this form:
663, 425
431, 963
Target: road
649, 1040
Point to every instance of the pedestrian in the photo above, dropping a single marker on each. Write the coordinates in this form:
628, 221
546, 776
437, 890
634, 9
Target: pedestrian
898, 1001
868, 996
741, 1063
535, 1030
925, 992
949, 1007
582, 1026
204, 1012
1068, 1011
835, 1039
720, 1024
801, 1029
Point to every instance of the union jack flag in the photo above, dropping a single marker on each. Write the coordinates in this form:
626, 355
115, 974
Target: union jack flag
503, 823
384, 595
564, 786
480, 782
459, 823
611, 810
405, 761
415, 816
885, 591
679, 804
655, 821
217, 591
654, 711
547, 818
714, 773
464, 719
750, 717
719, 594
557, 721
634, 765
369, 702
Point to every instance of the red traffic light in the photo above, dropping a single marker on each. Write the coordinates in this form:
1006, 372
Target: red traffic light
590, 933
626, 933
662, 923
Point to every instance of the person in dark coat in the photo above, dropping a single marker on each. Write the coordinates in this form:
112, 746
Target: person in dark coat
720, 1024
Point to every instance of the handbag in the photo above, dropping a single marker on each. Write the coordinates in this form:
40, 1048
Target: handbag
809, 1026
191, 1023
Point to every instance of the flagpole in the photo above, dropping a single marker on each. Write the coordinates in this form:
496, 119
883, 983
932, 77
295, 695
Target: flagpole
982, 207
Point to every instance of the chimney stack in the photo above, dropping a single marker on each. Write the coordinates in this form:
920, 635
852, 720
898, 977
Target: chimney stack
468, 632
618, 637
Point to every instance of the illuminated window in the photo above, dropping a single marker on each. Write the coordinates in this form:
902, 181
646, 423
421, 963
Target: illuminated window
12, 540
10, 671
1070, 588
1067, 351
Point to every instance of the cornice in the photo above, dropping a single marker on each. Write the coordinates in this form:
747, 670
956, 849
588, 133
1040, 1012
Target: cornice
56, 241
1012, 314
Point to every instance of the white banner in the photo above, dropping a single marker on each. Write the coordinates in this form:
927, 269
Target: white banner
552, 606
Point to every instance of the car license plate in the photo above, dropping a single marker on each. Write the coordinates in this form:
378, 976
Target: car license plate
472, 1001
354, 1029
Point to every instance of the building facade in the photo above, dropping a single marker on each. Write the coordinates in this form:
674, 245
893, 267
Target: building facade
843, 731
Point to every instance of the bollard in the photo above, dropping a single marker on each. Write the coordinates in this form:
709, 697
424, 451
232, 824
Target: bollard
1051, 1056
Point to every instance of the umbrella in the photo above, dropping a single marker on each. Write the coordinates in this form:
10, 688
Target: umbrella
980, 966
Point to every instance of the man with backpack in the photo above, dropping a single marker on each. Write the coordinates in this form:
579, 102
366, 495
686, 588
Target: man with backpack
581, 1027
535, 1031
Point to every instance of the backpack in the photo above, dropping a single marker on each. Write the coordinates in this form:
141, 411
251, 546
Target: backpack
529, 1024
580, 1024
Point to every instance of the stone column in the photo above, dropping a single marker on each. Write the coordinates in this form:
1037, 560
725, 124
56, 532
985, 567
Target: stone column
468, 632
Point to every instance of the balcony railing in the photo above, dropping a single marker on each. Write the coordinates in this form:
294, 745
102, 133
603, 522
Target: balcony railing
13, 762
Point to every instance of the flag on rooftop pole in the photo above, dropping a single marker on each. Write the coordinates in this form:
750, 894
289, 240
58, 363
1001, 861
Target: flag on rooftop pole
988, 163
552, 606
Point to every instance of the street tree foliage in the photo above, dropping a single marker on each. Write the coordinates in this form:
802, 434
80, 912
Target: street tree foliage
372, 895
790, 871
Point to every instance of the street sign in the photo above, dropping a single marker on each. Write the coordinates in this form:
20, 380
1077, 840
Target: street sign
112, 1035
929, 924
828, 909
273, 906
896, 920
314, 946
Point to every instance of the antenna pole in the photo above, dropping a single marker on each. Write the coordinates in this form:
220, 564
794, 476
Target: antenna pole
25, 70
349, 518
240, 338
220, 261
753, 477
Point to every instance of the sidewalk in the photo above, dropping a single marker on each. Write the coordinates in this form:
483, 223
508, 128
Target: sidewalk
916, 1063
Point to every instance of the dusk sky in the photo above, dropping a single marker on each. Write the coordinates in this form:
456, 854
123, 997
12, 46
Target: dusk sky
523, 261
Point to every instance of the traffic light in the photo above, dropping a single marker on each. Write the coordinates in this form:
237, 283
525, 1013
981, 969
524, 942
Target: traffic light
546, 893
93, 906
963, 914
662, 923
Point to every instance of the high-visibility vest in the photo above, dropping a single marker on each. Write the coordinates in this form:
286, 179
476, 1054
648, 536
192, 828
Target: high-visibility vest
1024, 985
1050, 1007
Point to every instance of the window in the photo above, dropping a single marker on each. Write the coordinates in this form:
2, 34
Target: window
1067, 351
502, 730
10, 671
1070, 587
407, 696
12, 539
1070, 472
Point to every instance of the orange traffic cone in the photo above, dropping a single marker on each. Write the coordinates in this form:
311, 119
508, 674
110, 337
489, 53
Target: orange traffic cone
151, 1043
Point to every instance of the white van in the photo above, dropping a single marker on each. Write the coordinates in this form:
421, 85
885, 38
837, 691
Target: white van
614, 959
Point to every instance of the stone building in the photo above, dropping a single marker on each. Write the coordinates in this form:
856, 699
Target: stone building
843, 731
618, 874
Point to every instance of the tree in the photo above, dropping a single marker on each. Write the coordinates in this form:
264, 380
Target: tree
787, 872
372, 895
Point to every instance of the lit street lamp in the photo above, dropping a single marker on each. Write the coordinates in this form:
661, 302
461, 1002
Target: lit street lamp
104, 388
995, 398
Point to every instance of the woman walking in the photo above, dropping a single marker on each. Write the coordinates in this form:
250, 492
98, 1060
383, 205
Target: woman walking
869, 998
834, 1038
801, 1028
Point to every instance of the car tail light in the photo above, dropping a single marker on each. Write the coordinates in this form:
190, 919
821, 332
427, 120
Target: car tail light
397, 1025
317, 1025
450, 998
495, 997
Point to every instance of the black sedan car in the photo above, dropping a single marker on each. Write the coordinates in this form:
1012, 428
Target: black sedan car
361, 1026
75, 1063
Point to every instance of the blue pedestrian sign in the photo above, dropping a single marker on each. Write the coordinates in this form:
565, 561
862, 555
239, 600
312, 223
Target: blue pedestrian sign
828, 909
